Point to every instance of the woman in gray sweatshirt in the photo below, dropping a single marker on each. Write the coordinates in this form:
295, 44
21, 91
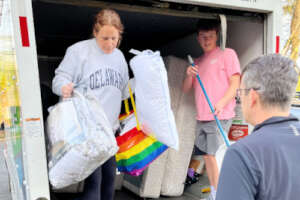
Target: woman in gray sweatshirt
99, 66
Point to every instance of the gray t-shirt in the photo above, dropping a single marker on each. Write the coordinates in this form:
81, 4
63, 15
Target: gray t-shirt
88, 67
265, 165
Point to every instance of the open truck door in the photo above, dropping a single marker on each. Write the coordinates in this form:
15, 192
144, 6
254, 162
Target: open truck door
253, 28
22, 134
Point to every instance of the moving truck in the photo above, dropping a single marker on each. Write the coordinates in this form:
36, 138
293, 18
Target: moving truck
34, 35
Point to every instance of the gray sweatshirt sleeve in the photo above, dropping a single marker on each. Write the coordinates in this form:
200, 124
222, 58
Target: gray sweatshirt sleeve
67, 71
125, 91
237, 180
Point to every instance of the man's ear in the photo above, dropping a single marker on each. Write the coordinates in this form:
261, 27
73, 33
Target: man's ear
254, 98
198, 39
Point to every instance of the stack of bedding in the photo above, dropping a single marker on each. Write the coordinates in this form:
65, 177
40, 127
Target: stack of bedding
184, 110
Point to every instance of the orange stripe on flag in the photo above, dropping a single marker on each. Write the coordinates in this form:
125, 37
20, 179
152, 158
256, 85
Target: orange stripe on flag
133, 141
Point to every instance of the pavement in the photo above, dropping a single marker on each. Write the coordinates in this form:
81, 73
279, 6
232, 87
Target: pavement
192, 192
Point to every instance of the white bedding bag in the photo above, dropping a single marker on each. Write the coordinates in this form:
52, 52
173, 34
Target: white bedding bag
80, 139
153, 98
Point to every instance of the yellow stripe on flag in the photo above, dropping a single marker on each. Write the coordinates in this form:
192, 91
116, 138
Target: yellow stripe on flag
136, 149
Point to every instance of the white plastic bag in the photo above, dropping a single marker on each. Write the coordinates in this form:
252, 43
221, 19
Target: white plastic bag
80, 137
153, 98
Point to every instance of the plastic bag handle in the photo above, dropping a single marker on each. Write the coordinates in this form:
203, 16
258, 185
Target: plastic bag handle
77, 93
126, 106
133, 106
81, 97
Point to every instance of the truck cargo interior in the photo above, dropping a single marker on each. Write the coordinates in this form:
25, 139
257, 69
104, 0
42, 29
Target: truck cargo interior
149, 24
167, 27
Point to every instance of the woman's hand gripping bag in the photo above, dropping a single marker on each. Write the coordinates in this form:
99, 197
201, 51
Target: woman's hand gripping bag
136, 149
80, 139
153, 97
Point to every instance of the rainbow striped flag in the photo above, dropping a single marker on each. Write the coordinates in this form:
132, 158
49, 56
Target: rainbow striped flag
136, 151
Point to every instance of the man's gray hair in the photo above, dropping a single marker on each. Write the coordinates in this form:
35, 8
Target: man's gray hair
274, 77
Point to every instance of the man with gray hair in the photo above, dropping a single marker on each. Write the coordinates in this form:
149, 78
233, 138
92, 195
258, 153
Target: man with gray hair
266, 164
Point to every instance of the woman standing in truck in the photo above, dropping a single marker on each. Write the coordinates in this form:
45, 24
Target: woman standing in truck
99, 66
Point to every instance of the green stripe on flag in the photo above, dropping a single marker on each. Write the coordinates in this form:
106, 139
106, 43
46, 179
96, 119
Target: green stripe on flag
140, 156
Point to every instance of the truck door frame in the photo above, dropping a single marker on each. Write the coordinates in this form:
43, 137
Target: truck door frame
34, 151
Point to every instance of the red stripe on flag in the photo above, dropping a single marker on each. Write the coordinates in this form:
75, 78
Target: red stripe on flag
277, 44
24, 31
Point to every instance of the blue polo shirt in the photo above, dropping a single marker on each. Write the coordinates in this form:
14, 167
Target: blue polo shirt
265, 165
